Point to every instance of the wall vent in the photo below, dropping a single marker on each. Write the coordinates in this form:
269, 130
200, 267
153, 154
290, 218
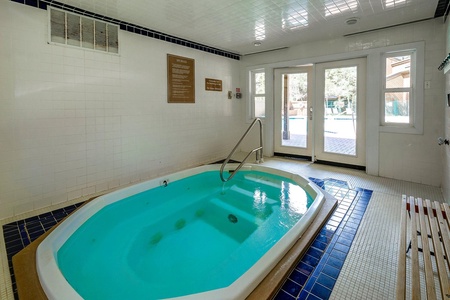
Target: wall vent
80, 31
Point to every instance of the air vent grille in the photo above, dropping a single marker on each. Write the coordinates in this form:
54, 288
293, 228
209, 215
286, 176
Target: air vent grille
79, 31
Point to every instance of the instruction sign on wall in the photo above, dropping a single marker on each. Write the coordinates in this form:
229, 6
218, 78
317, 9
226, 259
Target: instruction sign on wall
180, 79
213, 84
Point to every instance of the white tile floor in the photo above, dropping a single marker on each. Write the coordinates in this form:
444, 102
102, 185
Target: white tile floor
369, 271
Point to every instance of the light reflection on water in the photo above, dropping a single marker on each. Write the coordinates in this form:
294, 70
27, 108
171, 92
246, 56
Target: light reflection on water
293, 198
259, 198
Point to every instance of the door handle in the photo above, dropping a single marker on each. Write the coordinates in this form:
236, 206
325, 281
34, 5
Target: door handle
310, 113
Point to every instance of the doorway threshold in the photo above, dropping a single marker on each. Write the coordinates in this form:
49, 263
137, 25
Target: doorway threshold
293, 156
342, 165
322, 162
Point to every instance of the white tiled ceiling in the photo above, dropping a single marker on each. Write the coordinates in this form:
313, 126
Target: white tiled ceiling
234, 25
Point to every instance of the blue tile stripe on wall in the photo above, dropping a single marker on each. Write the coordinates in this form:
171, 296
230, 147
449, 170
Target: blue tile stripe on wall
42, 4
315, 275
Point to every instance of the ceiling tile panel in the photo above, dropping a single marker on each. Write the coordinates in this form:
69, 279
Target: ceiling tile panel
235, 25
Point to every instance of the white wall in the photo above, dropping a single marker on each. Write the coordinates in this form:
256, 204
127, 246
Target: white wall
446, 149
409, 157
75, 122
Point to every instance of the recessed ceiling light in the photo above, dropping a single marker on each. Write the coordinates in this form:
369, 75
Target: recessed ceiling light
351, 21
257, 44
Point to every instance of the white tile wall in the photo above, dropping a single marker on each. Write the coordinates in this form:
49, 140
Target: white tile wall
74, 122
445, 151
407, 157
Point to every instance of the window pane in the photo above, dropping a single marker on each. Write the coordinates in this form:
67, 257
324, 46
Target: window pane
73, 30
294, 127
88, 33
100, 36
113, 43
58, 26
396, 107
260, 107
260, 83
340, 105
398, 71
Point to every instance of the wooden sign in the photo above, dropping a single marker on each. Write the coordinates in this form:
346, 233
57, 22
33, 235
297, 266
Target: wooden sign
180, 79
213, 84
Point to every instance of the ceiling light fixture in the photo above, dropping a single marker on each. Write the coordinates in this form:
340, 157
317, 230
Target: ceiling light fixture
257, 44
351, 21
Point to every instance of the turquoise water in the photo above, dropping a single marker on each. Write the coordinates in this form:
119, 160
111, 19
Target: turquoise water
195, 235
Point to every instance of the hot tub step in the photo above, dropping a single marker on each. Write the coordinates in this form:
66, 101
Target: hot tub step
249, 203
236, 211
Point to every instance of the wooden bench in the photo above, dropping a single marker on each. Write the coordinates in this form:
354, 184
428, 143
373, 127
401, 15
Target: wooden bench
428, 228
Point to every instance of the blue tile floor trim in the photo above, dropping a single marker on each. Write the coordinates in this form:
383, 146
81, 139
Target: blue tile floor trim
19, 234
315, 275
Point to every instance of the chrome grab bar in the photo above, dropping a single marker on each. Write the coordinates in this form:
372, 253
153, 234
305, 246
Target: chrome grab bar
258, 150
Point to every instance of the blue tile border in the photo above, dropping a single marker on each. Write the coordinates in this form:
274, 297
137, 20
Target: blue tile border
19, 234
324, 259
43, 4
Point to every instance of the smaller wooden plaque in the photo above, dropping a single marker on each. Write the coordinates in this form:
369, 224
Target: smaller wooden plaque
213, 84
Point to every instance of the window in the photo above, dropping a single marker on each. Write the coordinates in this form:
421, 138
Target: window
397, 93
402, 91
79, 31
258, 93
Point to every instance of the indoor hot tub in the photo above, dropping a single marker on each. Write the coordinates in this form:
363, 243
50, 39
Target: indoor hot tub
186, 236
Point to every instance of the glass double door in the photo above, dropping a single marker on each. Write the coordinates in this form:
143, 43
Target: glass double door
320, 111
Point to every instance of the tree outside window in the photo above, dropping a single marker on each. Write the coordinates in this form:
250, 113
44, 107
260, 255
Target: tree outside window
258, 78
397, 92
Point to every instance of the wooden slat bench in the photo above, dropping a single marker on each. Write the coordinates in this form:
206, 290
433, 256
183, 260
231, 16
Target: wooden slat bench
429, 221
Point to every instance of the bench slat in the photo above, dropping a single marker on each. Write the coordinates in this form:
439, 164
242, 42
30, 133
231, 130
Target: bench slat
443, 226
415, 275
429, 279
447, 212
401, 271
438, 253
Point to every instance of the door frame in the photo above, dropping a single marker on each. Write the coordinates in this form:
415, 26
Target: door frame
315, 150
307, 152
359, 159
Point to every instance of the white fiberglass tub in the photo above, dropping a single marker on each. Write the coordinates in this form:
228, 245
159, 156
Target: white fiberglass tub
183, 236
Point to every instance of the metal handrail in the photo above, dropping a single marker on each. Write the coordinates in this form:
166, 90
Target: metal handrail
258, 150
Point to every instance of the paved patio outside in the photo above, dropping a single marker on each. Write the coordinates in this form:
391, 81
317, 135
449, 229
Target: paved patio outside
332, 144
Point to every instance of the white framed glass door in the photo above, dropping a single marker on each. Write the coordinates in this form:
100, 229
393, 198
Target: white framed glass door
293, 111
320, 112
340, 112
